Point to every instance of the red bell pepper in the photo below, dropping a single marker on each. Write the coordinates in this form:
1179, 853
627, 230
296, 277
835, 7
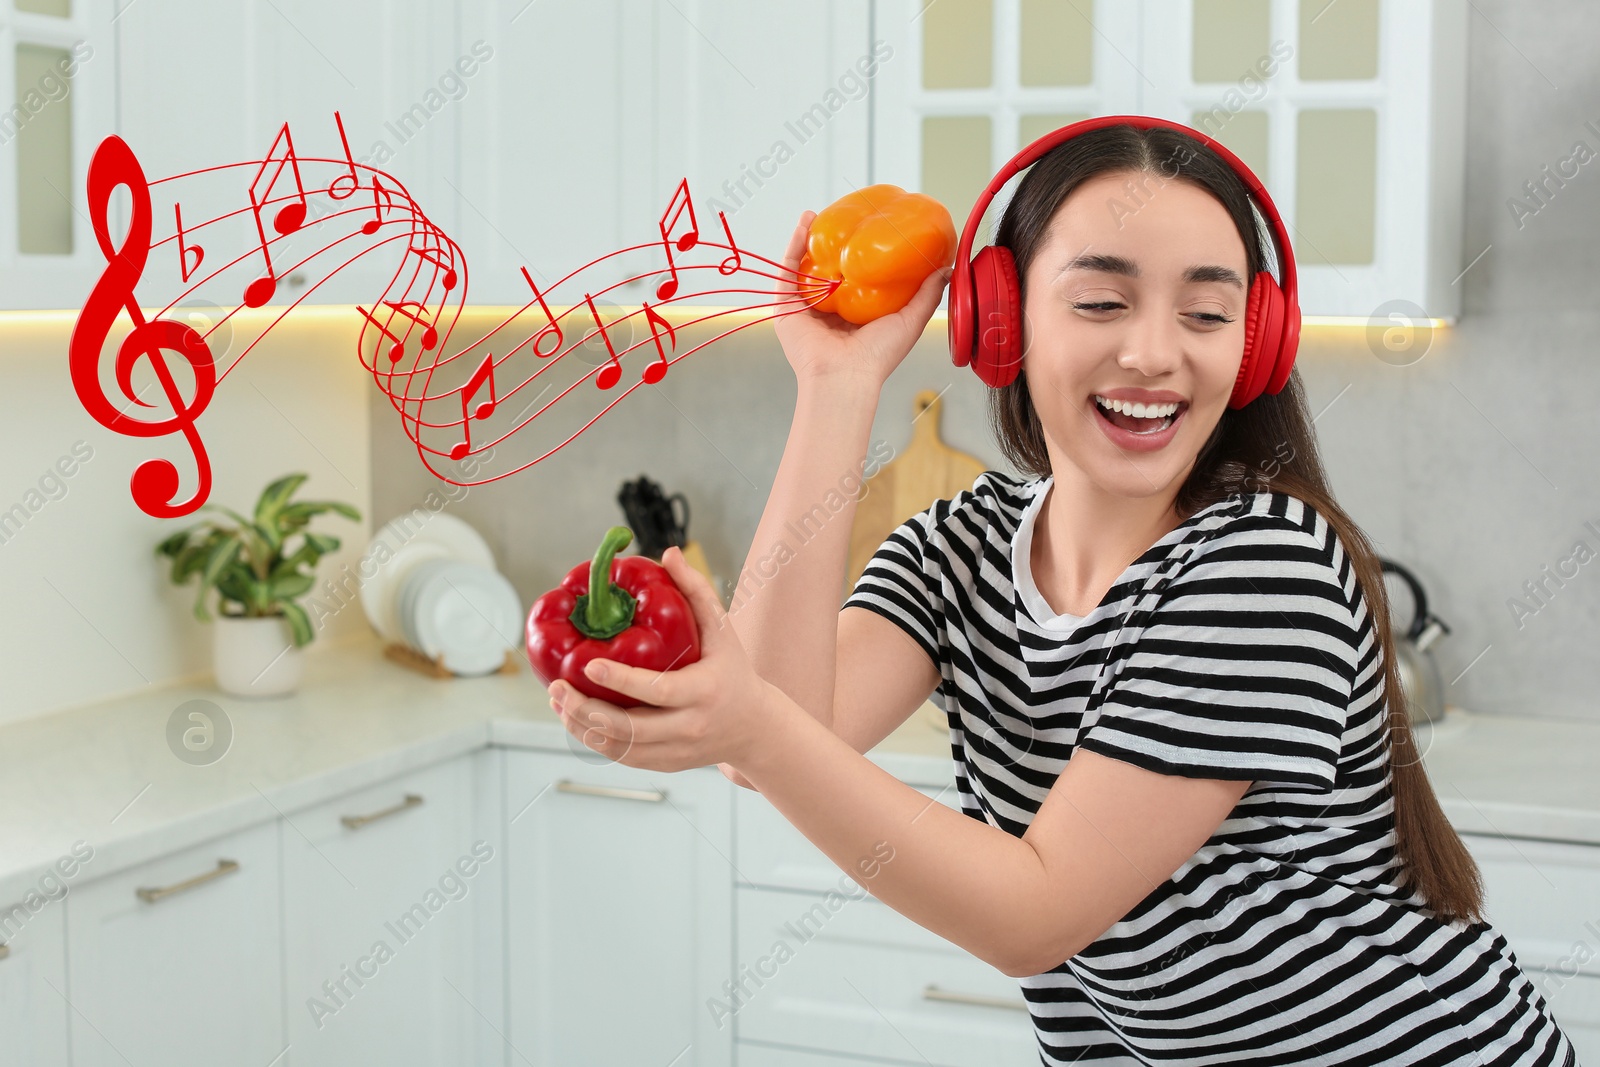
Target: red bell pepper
627, 609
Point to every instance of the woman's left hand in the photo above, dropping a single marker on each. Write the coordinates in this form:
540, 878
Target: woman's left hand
713, 711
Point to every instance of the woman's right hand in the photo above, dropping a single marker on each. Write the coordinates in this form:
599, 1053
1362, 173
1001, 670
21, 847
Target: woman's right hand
820, 344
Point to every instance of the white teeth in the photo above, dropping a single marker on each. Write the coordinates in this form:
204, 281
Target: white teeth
1137, 410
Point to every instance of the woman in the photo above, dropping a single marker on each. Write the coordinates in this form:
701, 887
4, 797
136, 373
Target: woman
1193, 824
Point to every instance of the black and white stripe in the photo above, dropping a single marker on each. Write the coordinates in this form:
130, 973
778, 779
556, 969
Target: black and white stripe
1239, 646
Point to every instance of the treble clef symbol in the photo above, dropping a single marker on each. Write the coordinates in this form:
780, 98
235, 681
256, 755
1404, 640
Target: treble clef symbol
154, 484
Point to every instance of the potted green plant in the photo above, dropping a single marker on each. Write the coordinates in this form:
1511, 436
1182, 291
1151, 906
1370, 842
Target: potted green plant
257, 573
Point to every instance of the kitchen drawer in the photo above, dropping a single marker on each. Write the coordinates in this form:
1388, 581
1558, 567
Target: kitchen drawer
752, 1054
771, 852
860, 978
179, 960
34, 1018
1543, 896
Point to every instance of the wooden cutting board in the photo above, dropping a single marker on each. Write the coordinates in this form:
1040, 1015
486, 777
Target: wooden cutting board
926, 471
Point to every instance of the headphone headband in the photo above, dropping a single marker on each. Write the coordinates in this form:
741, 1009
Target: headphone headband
961, 354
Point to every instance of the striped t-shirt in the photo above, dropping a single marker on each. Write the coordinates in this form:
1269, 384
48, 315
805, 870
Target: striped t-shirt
1238, 646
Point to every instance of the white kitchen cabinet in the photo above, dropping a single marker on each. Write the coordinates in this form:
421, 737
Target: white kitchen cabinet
1357, 131
593, 112
58, 73
827, 968
619, 912
557, 138
848, 974
761, 132
381, 890
1541, 896
34, 1017
389, 69
179, 960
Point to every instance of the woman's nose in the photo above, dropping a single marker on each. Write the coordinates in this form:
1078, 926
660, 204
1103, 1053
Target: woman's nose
1151, 344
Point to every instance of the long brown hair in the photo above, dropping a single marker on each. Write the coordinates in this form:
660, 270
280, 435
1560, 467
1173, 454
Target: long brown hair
1244, 454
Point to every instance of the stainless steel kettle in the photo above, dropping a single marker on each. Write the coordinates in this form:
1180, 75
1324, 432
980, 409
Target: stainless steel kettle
1420, 680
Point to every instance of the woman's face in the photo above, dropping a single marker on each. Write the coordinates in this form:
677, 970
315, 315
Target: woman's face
1135, 296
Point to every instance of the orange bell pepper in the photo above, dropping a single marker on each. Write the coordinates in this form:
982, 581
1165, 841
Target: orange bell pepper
879, 243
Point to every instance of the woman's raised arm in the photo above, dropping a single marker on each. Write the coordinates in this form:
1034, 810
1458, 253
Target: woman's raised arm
785, 608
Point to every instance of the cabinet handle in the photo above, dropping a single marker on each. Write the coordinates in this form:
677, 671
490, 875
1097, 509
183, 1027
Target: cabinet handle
356, 822
933, 992
150, 896
652, 796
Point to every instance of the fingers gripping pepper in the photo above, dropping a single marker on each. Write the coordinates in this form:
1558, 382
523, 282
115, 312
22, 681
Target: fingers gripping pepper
627, 609
880, 243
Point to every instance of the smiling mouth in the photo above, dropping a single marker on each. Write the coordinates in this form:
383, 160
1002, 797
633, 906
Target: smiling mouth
1139, 418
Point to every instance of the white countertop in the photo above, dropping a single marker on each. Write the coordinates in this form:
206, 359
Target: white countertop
104, 774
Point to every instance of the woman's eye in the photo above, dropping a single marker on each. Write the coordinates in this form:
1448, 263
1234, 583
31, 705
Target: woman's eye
1211, 317
1099, 305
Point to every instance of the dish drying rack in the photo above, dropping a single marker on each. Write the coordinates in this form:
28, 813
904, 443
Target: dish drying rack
433, 666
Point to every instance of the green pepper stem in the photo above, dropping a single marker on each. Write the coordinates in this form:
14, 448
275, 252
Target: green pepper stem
606, 609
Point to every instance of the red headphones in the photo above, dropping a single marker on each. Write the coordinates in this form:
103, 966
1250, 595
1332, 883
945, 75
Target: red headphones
984, 289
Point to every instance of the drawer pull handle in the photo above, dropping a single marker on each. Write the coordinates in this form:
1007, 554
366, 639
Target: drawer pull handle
651, 796
356, 822
150, 896
933, 992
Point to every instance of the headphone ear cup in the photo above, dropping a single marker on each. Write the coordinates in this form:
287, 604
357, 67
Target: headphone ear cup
959, 315
1263, 338
997, 316
1290, 346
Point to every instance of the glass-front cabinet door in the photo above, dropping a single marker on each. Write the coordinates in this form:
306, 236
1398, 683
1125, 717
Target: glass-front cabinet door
1351, 112
56, 71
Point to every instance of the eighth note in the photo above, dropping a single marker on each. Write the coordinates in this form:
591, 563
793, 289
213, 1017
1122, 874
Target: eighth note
485, 372
432, 256
658, 370
430, 336
397, 349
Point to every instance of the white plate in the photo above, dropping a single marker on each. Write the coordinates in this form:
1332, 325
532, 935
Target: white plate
411, 539
405, 603
380, 593
440, 528
466, 615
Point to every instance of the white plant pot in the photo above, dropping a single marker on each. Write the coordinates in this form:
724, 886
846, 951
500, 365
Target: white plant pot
255, 657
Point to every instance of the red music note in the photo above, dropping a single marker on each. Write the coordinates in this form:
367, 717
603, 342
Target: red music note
185, 249
485, 372
685, 241
733, 262
289, 216
286, 221
552, 324
433, 256
397, 349
381, 198
612, 374
430, 336
154, 484
657, 370
355, 182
